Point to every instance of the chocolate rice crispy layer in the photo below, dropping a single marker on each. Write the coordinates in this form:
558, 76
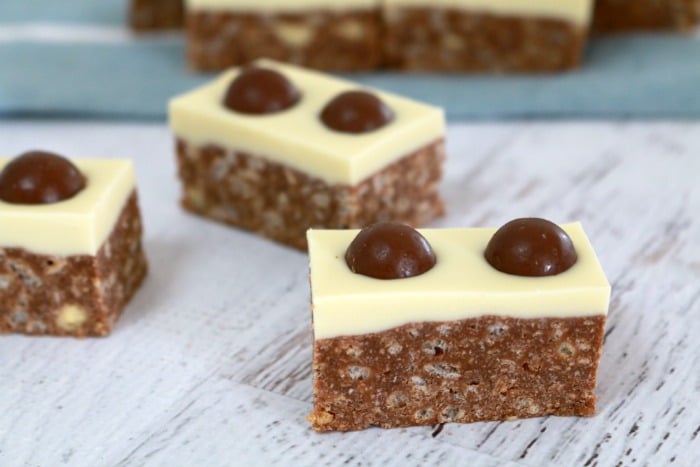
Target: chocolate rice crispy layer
281, 203
326, 40
627, 15
479, 369
454, 40
152, 15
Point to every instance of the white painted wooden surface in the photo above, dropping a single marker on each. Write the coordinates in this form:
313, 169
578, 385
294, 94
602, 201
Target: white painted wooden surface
210, 365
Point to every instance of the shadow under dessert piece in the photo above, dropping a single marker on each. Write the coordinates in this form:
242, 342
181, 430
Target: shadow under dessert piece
638, 15
461, 341
328, 35
69, 266
481, 35
282, 170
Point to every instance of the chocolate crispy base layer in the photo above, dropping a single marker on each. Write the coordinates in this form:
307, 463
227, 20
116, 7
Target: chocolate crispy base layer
77, 295
626, 15
326, 40
281, 203
434, 39
479, 369
152, 15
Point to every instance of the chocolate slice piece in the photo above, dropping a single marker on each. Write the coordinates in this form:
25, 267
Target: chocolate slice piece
462, 343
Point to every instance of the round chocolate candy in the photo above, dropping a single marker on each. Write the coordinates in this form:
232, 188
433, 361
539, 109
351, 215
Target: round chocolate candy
260, 91
531, 247
40, 177
389, 250
356, 112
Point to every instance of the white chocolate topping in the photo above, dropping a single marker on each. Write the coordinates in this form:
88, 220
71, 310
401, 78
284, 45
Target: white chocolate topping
461, 285
281, 5
296, 137
78, 225
575, 11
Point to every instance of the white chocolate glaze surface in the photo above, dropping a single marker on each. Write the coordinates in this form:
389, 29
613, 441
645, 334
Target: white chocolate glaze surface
461, 285
280, 5
575, 11
76, 226
296, 137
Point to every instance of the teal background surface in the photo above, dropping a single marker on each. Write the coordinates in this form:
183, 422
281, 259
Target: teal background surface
132, 77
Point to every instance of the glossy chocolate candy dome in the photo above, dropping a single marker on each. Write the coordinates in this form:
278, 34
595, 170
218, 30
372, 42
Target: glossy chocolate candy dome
531, 247
40, 177
259, 91
356, 112
389, 250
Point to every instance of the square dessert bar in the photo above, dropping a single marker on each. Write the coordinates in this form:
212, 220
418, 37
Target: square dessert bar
486, 35
280, 173
629, 15
68, 268
322, 34
462, 342
152, 15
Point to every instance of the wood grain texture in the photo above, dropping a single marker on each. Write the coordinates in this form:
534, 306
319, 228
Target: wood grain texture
210, 364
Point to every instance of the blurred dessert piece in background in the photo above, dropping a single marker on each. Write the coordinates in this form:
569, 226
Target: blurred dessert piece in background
336, 35
481, 35
630, 15
152, 15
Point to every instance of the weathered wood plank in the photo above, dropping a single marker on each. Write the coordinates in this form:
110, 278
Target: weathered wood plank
211, 362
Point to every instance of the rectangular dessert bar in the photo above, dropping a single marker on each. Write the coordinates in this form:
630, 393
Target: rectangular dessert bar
462, 342
485, 35
152, 15
327, 35
280, 174
69, 268
630, 15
